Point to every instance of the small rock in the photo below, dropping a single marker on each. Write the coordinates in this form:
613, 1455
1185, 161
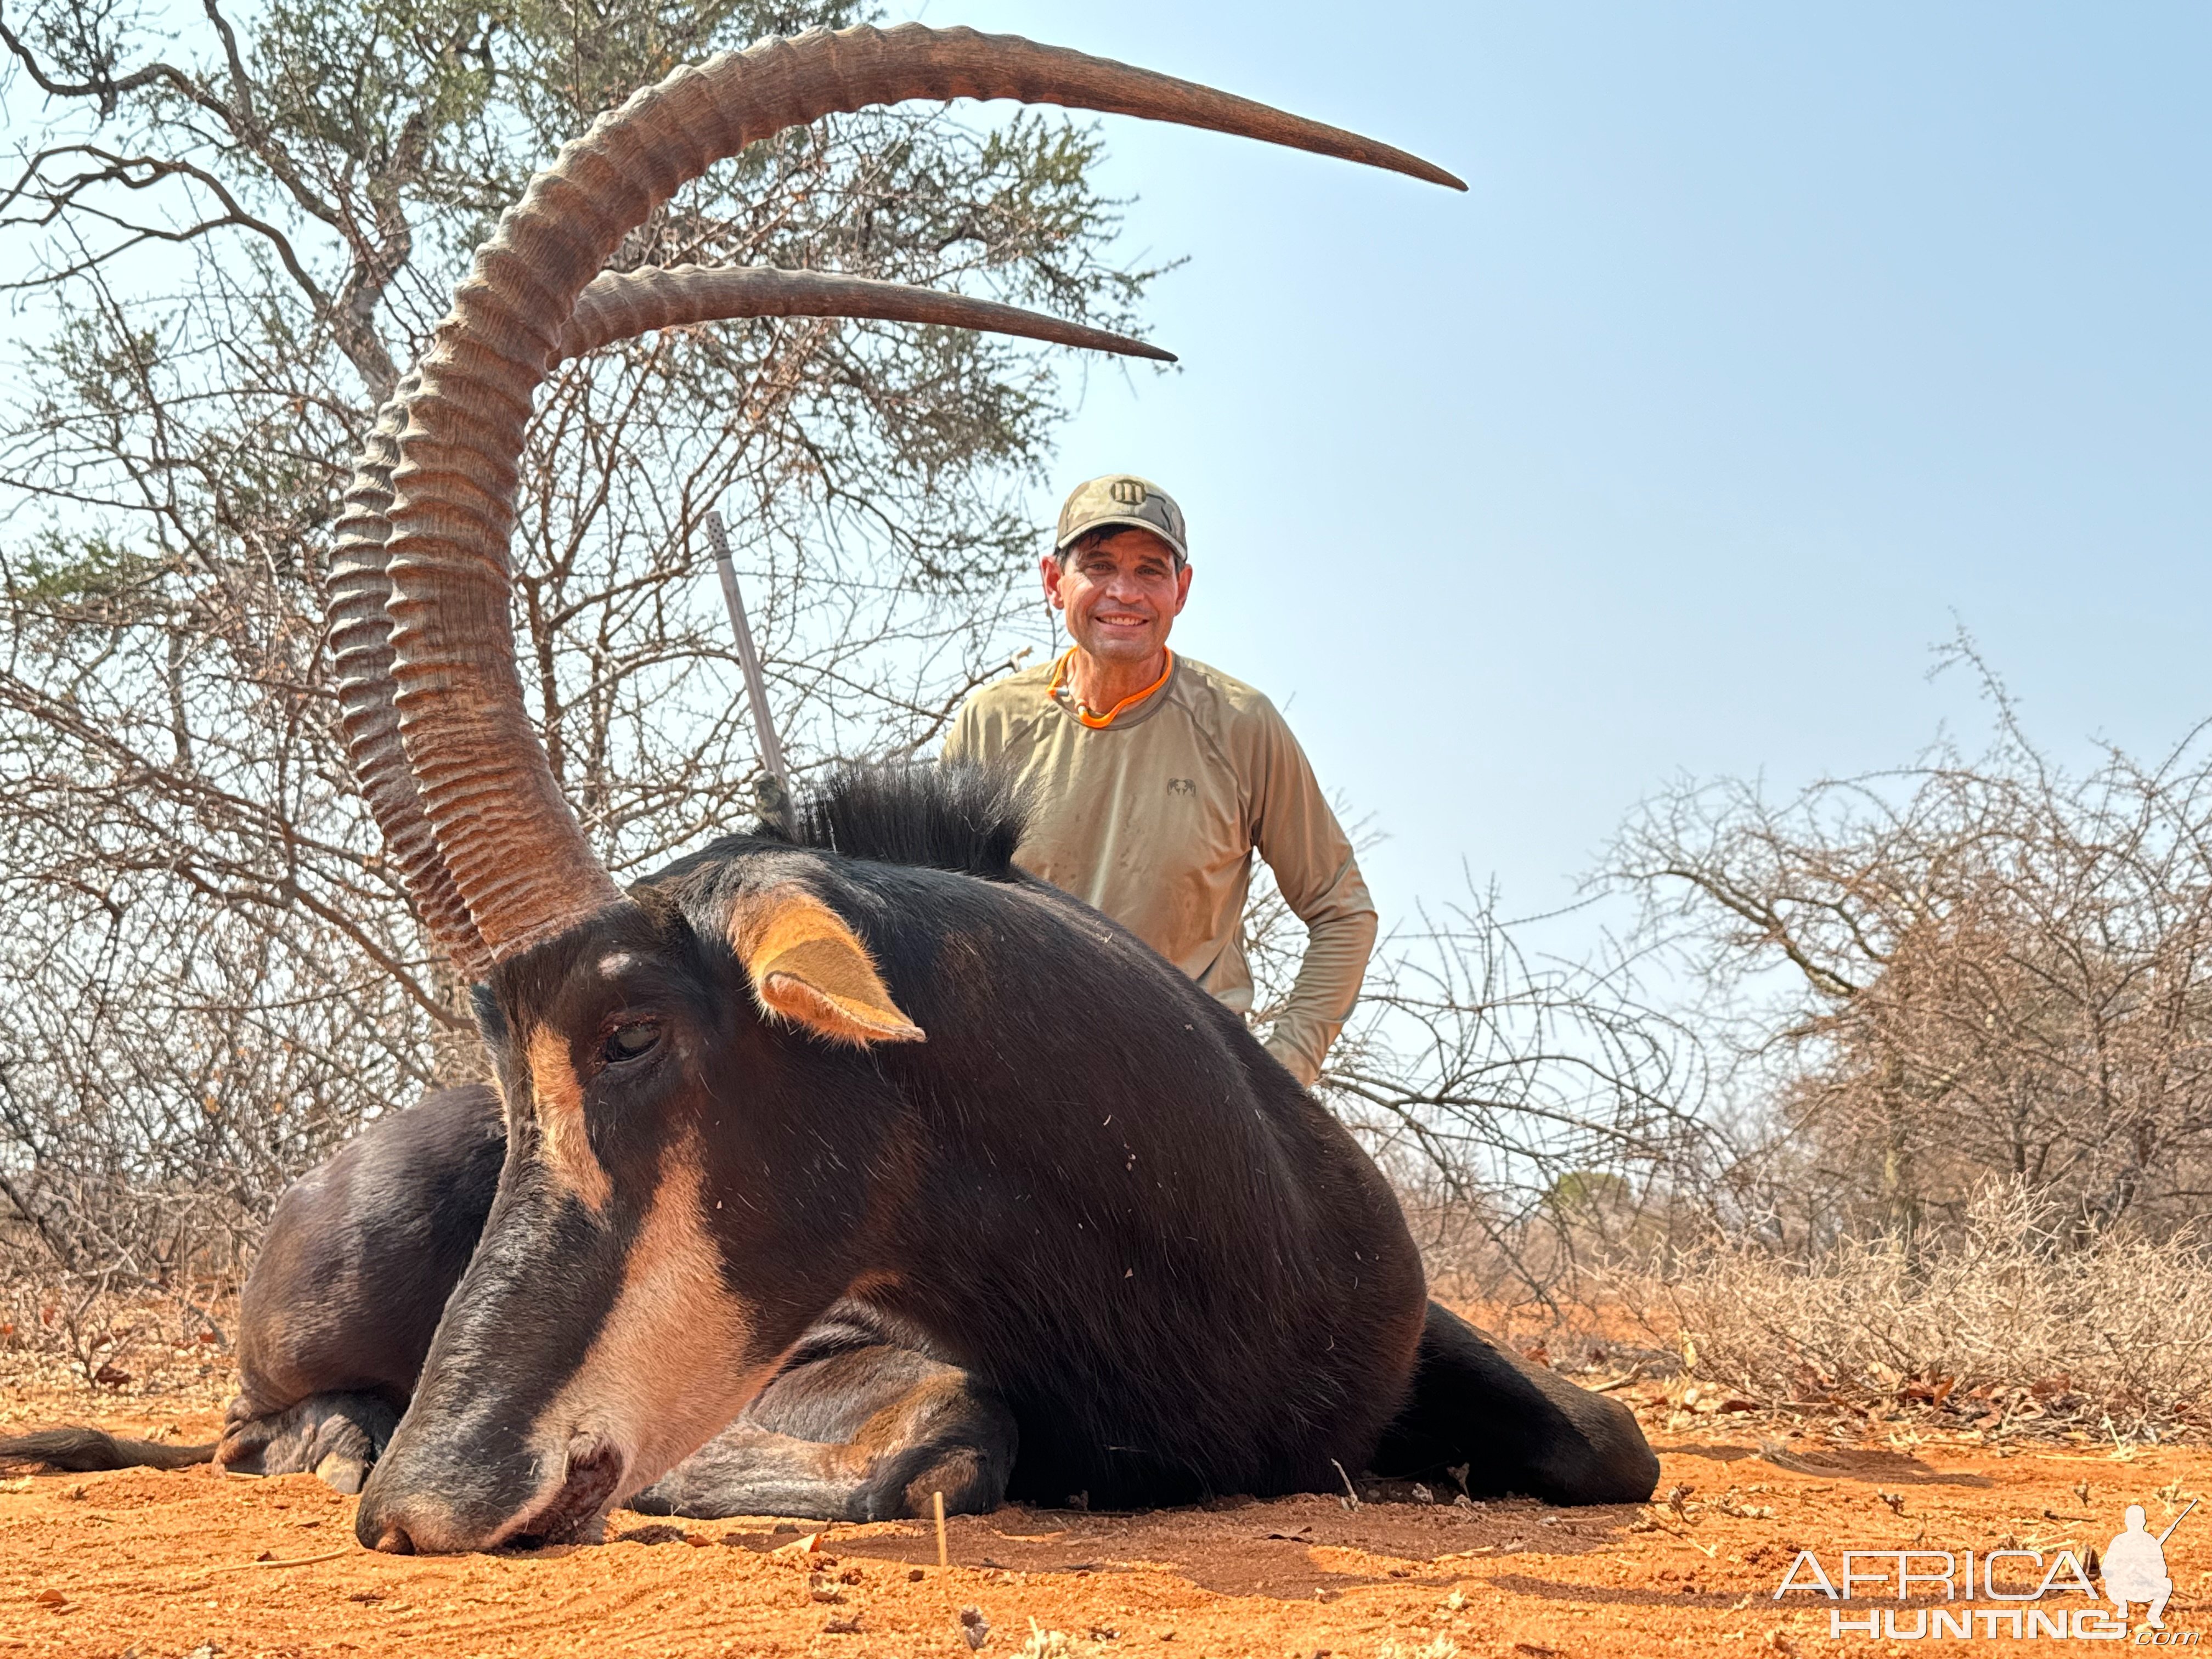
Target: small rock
974, 1626
915, 1574
840, 1625
51, 1598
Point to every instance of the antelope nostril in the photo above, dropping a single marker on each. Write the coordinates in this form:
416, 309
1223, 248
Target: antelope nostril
595, 1470
394, 1540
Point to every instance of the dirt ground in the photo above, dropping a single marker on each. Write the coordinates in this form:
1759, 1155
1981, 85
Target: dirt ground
148, 1563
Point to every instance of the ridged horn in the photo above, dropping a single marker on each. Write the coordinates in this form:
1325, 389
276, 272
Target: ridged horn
617, 308
611, 308
515, 851
360, 638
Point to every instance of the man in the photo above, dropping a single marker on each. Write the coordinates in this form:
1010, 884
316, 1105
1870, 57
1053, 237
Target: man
1154, 778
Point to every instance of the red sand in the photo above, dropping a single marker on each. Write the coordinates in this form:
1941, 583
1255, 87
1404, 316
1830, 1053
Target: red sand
155, 1564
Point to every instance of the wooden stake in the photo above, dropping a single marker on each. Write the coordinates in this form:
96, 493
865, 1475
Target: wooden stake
777, 809
937, 1501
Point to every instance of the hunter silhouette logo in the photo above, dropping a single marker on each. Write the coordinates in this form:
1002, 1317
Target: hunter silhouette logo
1993, 1601
2135, 1566
1182, 785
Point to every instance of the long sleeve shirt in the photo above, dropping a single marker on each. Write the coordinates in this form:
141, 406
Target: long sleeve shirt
1154, 820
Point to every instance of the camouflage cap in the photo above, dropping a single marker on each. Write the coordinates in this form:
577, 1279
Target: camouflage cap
1122, 498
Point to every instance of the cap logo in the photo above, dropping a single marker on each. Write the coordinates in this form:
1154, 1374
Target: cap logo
1128, 492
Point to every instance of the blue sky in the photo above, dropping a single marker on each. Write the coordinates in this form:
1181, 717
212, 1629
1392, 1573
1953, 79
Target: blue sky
1768, 341
1771, 343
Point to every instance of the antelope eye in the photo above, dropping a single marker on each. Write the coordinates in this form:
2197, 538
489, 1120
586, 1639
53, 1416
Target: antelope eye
629, 1042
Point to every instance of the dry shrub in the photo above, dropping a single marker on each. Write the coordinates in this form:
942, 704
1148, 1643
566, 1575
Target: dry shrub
74, 1333
1970, 968
1530, 1114
2015, 1312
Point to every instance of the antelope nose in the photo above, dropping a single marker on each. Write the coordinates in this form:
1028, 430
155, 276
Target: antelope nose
396, 1525
377, 1527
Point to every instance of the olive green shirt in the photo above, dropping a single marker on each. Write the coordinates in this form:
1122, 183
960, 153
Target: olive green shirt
1154, 820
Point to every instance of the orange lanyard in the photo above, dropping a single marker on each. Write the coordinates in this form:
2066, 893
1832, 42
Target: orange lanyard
1100, 722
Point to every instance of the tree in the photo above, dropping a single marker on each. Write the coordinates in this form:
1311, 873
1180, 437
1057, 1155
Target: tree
1970, 970
229, 246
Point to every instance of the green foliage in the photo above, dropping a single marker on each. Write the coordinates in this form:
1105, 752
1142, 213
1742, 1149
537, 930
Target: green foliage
1588, 1192
59, 572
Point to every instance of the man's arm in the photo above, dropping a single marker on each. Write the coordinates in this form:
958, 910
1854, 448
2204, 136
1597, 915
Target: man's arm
1311, 856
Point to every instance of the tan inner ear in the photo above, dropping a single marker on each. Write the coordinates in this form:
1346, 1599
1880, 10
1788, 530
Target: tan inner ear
807, 966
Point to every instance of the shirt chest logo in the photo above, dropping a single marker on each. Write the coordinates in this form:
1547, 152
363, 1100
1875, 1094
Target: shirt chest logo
1182, 785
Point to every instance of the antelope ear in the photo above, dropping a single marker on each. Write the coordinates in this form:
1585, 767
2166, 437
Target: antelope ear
807, 967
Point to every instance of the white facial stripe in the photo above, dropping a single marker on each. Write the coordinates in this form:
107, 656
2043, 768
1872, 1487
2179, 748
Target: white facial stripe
667, 1369
565, 1148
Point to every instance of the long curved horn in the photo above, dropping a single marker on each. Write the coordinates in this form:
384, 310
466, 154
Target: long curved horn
616, 307
611, 308
515, 851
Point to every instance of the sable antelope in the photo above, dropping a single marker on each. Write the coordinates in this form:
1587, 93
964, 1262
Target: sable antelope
1155, 1328
837, 1173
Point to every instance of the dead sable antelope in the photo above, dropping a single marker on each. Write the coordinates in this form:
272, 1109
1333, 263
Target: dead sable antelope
831, 1173
1043, 1267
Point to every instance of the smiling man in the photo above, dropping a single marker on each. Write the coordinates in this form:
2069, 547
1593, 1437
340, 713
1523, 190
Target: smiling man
1155, 778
